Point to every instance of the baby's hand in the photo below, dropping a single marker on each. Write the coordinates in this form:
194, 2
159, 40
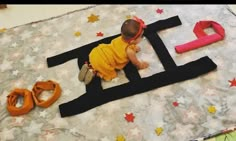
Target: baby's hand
143, 65
137, 49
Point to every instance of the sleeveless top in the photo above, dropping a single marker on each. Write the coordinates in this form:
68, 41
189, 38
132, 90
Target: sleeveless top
106, 58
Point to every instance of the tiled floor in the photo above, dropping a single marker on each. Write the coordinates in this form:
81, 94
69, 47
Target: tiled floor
15, 15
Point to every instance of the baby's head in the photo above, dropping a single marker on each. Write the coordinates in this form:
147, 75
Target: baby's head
132, 30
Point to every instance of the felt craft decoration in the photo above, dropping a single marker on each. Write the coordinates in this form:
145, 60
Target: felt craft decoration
12, 100
32, 96
41, 86
95, 95
203, 38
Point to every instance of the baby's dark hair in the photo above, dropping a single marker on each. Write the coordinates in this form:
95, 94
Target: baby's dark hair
129, 29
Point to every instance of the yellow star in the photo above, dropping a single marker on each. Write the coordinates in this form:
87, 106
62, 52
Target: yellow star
120, 138
77, 33
128, 17
93, 18
159, 130
2, 30
211, 109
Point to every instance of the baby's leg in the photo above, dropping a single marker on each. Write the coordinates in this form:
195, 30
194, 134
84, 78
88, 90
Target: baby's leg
95, 86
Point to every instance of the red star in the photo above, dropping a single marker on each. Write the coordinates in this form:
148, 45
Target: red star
129, 117
175, 104
233, 82
159, 11
100, 34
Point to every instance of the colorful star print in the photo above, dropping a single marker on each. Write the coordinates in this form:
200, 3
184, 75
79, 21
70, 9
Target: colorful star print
211, 109
159, 11
120, 138
128, 17
159, 131
233, 82
93, 18
100, 34
175, 104
2, 30
77, 34
129, 117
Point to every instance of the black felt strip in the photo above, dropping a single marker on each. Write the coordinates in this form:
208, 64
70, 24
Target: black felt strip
163, 24
131, 72
96, 98
156, 42
81, 53
162, 52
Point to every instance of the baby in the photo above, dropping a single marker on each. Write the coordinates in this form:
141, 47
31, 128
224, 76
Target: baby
106, 59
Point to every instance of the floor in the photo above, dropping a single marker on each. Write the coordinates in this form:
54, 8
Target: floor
15, 15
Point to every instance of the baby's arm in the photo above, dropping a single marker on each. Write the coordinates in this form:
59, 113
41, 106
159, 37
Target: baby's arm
132, 57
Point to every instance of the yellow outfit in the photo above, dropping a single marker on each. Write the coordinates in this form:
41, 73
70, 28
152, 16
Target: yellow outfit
106, 58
